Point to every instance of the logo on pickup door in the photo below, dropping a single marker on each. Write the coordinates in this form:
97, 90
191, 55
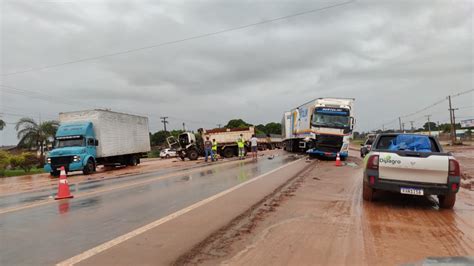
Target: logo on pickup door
388, 160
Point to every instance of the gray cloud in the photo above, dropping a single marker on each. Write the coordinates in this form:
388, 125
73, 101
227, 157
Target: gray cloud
393, 56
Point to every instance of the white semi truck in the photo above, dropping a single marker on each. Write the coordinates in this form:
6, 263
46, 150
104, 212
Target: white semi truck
321, 127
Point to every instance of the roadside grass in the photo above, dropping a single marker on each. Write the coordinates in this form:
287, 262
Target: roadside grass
20, 172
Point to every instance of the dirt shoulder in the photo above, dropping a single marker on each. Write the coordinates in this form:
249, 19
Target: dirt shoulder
321, 219
12, 185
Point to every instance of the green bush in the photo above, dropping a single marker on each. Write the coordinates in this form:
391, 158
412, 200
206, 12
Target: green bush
154, 154
24, 161
4, 162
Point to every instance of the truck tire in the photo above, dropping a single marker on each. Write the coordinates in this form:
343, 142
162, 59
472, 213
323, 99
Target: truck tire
447, 201
133, 161
193, 155
367, 192
228, 152
89, 168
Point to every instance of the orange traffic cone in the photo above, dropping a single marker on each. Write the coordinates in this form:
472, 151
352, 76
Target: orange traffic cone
63, 187
338, 160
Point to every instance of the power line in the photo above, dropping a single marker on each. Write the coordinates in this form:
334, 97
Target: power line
200, 36
425, 108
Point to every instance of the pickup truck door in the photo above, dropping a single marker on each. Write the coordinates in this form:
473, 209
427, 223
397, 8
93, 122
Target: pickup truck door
414, 167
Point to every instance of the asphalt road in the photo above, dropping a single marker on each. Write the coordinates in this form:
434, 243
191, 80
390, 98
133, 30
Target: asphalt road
50, 232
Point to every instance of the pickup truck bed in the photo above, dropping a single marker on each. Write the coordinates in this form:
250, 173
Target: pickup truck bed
411, 164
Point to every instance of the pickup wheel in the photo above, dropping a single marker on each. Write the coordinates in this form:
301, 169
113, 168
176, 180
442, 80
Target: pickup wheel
193, 155
367, 192
89, 168
447, 201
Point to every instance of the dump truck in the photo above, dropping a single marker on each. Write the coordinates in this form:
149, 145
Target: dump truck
191, 146
320, 127
86, 139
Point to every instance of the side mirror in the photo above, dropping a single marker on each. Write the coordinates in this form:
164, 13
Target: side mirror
362, 144
96, 142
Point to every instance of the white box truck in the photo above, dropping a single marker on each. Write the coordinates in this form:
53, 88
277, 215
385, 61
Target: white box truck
86, 139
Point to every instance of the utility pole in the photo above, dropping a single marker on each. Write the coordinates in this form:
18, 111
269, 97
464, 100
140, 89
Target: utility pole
400, 122
383, 128
219, 125
412, 128
403, 127
163, 120
453, 121
184, 126
429, 124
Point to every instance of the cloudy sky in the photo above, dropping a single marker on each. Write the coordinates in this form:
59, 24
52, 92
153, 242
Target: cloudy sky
394, 57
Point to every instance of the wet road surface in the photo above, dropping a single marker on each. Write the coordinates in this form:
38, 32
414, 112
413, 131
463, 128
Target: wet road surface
18, 199
326, 222
53, 232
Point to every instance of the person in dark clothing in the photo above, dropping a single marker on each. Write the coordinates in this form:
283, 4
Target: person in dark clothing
208, 149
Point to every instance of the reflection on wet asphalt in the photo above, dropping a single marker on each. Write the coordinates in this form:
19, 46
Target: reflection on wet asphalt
57, 231
16, 199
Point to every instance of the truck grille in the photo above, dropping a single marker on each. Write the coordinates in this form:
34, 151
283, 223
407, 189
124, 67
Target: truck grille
328, 143
61, 161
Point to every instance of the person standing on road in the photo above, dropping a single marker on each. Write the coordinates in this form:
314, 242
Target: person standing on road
208, 149
241, 146
214, 148
254, 145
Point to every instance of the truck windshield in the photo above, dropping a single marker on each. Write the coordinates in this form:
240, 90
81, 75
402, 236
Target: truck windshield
326, 120
61, 143
331, 117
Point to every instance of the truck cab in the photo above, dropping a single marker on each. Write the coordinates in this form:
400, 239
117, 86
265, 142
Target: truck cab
75, 148
185, 145
332, 122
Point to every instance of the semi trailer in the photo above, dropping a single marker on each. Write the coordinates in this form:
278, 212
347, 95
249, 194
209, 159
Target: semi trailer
86, 139
321, 127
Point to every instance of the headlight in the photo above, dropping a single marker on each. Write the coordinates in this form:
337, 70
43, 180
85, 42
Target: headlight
48, 160
77, 158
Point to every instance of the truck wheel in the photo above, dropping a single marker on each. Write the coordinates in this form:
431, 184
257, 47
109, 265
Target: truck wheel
367, 193
89, 168
55, 173
193, 155
133, 161
228, 152
447, 201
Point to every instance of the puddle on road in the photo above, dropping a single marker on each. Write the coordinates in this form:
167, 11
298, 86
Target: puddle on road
352, 164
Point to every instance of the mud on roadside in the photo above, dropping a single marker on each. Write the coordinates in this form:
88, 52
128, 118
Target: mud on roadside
219, 244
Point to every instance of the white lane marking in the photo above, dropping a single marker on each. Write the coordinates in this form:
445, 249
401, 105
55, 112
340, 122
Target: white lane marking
118, 187
107, 245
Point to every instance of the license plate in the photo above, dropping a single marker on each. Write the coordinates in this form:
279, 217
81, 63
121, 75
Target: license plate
411, 191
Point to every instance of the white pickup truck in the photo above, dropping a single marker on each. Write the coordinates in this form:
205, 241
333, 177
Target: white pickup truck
411, 164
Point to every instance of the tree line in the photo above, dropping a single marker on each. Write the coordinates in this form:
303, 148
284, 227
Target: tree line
40, 135
159, 138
